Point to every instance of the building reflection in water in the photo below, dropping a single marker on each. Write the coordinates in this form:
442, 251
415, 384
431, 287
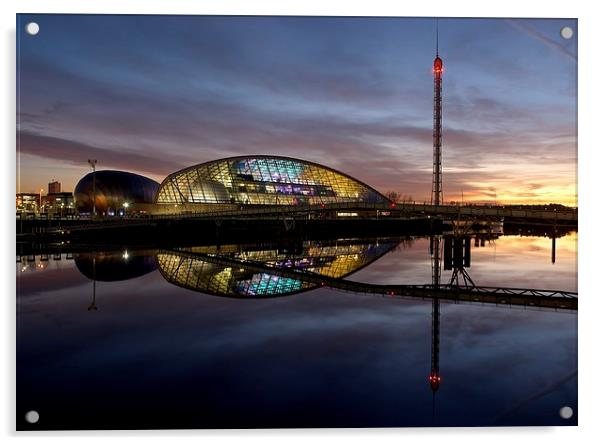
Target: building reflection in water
113, 266
196, 269
334, 259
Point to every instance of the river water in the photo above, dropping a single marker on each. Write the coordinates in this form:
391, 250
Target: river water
161, 339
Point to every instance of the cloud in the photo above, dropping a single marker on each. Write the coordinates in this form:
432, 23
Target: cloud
78, 153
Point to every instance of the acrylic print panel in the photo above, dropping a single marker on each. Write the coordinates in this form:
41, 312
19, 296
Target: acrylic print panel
261, 222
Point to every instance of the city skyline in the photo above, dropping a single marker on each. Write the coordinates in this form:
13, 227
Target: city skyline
154, 94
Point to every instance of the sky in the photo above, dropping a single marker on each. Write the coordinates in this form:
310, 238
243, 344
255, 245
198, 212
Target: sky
154, 94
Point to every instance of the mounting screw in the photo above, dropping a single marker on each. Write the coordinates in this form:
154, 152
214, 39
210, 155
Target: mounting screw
32, 416
566, 412
32, 28
566, 32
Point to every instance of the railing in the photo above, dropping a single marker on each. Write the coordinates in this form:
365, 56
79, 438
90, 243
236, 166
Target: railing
301, 211
427, 209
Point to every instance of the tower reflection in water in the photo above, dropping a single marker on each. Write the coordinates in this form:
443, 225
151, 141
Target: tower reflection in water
434, 376
456, 258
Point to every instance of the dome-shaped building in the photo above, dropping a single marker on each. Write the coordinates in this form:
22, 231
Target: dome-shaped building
113, 189
263, 180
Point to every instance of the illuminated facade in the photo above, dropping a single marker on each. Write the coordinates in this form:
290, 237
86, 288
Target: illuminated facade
59, 202
28, 202
199, 273
263, 180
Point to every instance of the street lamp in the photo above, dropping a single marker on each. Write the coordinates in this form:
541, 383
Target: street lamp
125, 208
41, 190
92, 163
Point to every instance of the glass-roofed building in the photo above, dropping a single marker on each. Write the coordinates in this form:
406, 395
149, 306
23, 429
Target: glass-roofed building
263, 180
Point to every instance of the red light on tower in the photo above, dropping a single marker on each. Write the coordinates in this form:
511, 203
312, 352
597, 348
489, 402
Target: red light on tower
438, 65
435, 381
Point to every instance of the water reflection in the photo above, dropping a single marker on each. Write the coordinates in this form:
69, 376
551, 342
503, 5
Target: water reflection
304, 358
435, 252
456, 258
276, 270
198, 269
115, 266
231, 270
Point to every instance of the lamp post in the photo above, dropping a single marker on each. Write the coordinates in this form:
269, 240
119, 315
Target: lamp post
125, 208
92, 163
41, 190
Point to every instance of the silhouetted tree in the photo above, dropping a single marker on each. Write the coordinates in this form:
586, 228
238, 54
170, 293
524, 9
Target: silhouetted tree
393, 196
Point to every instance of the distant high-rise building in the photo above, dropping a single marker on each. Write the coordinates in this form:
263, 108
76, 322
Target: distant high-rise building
54, 187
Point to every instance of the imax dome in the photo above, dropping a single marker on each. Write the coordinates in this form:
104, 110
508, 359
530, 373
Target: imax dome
113, 189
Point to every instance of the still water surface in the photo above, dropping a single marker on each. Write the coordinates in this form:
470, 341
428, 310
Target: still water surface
153, 342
